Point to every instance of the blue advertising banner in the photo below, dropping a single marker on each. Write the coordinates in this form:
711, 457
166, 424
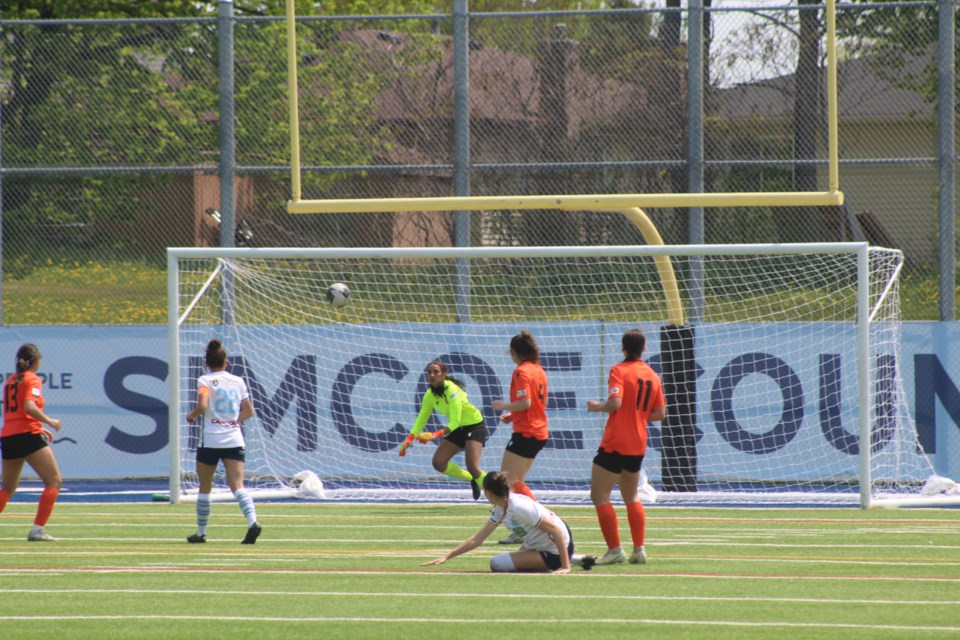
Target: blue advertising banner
109, 387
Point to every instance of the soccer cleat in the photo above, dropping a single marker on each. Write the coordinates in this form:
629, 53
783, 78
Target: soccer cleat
639, 556
40, 536
613, 556
512, 539
252, 534
475, 487
196, 538
587, 562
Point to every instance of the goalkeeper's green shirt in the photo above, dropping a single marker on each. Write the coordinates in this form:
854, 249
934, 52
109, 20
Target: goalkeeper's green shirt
452, 403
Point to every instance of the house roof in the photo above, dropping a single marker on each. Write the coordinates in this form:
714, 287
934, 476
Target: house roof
865, 88
504, 86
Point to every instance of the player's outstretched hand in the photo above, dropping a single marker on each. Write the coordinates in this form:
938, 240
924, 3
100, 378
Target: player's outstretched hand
506, 417
439, 560
561, 570
406, 443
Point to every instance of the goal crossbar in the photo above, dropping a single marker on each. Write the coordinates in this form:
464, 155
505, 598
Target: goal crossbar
515, 252
596, 202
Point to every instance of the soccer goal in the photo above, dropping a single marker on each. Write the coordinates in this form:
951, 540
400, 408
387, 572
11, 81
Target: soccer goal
779, 363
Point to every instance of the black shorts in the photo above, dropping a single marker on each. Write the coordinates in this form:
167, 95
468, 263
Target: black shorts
460, 435
552, 560
617, 462
21, 445
525, 446
211, 456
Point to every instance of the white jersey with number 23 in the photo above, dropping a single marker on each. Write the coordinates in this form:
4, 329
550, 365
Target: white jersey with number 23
221, 429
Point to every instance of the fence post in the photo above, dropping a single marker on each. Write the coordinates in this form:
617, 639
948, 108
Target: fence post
461, 147
946, 159
227, 162
695, 101
2, 274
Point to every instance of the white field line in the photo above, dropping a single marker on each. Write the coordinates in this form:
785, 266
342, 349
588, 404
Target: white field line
474, 574
177, 522
505, 596
485, 553
497, 621
224, 536
668, 518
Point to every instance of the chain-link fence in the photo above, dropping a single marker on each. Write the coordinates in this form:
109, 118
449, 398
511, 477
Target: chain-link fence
111, 137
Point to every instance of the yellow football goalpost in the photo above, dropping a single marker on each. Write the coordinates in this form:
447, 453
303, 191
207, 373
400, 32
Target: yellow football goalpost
850, 276
630, 205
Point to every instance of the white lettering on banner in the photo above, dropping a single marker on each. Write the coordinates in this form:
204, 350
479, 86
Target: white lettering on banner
52, 380
113, 401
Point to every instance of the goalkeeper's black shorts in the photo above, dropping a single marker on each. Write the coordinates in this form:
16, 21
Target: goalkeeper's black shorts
460, 435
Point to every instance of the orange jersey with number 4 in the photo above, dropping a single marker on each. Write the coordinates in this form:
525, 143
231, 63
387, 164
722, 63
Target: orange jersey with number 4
641, 392
529, 381
15, 418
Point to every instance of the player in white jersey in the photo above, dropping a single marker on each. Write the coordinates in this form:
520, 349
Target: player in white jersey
224, 402
539, 528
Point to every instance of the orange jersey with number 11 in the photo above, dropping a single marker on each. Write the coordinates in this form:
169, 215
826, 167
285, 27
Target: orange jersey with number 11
641, 392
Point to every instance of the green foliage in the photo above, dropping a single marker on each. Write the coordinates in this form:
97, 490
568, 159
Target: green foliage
892, 36
90, 9
95, 95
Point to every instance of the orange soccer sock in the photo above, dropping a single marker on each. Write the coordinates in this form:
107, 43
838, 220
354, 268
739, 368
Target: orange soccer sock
519, 487
638, 522
607, 516
47, 499
4, 499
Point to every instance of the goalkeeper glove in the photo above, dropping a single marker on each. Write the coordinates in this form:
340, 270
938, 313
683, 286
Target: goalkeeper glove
406, 443
427, 436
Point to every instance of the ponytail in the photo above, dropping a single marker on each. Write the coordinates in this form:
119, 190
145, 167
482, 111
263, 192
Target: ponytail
27, 354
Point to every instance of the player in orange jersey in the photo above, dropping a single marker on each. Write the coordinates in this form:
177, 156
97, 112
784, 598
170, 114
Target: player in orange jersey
526, 410
25, 439
634, 398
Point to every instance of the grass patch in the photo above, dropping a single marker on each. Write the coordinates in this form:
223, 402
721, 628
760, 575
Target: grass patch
76, 291
68, 291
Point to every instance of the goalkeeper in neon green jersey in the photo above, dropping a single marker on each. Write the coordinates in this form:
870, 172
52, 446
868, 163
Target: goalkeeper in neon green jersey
465, 430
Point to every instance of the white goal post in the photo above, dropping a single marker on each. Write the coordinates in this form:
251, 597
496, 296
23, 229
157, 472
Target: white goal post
789, 364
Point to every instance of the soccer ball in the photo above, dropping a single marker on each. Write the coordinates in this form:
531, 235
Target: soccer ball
338, 294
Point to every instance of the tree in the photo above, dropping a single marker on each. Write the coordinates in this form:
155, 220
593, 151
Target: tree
81, 96
146, 95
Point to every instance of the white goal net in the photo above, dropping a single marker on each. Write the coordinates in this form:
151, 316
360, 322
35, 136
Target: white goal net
777, 361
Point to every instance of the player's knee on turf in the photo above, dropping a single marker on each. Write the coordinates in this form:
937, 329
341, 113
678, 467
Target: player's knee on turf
502, 563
